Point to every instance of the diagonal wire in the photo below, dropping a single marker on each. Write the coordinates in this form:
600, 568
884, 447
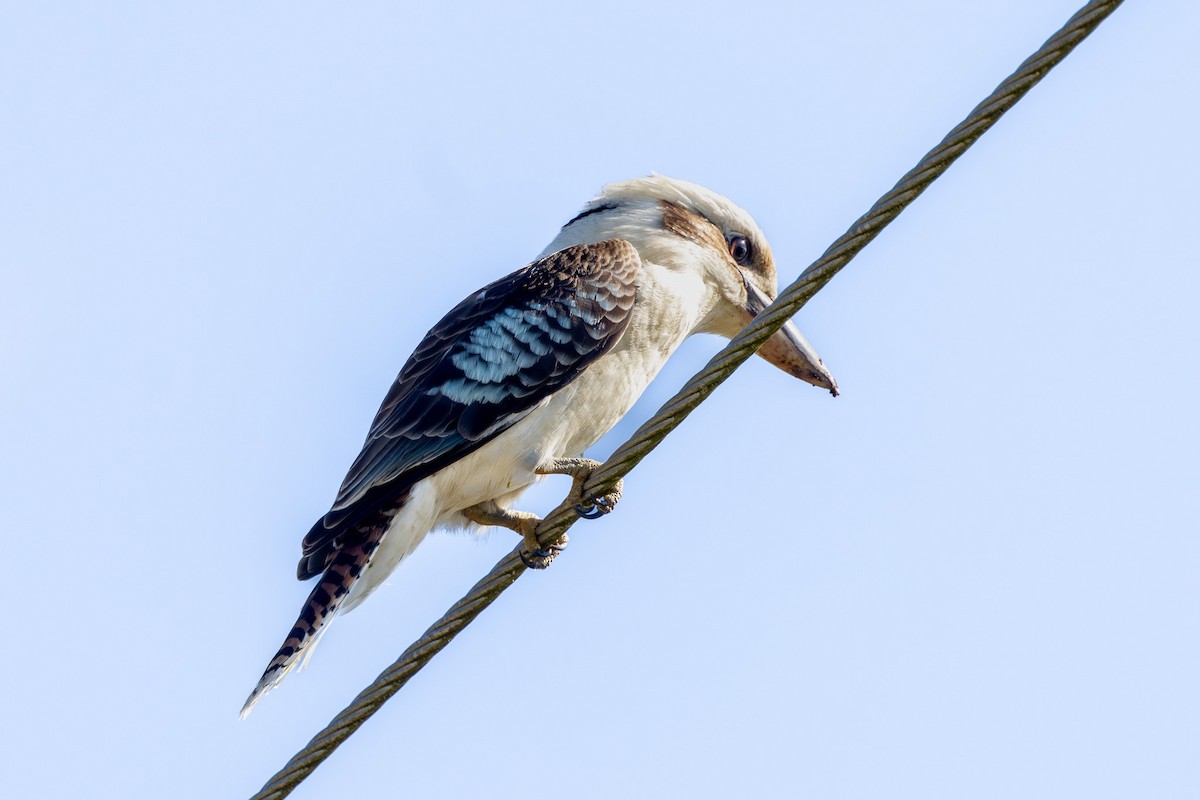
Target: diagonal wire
722, 365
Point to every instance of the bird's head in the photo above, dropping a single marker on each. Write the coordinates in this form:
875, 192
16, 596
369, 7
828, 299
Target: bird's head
684, 226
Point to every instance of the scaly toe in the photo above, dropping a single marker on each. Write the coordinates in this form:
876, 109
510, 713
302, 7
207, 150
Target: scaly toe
542, 557
596, 507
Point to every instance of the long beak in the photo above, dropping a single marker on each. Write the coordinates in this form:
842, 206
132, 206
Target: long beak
788, 349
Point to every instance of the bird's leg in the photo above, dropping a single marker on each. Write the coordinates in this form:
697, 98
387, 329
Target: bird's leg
533, 554
580, 469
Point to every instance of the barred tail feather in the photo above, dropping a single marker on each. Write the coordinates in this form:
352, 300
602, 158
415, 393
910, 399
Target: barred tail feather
323, 603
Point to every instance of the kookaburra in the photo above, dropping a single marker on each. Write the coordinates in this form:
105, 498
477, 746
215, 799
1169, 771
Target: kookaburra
527, 373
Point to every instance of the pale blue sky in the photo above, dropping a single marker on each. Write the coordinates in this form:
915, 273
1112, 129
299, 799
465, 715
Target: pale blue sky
224, 226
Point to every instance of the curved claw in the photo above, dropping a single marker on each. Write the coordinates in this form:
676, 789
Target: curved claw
542, 557
598, 506
537, 559
594, 511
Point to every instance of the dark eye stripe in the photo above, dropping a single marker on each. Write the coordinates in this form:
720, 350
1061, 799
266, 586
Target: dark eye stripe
703, 231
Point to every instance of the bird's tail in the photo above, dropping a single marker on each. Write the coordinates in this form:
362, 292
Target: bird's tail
319, 609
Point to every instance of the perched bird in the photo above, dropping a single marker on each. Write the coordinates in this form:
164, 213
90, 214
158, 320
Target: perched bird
528, 372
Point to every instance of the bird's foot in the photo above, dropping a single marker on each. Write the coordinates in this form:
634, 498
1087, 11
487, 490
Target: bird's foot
533, 554
580, 469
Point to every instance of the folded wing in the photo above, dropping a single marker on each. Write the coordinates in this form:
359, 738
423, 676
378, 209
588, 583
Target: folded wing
481, 369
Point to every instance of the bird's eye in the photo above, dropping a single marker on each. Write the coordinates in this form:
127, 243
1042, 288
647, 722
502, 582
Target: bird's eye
739, 248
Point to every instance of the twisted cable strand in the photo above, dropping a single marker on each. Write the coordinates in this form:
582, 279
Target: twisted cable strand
695, 391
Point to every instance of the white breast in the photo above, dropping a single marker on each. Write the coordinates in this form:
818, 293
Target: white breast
669, 306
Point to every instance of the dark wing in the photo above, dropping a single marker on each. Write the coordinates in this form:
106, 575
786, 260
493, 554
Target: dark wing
482, 368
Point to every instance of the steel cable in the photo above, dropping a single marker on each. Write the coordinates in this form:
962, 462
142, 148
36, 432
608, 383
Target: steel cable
720, 367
